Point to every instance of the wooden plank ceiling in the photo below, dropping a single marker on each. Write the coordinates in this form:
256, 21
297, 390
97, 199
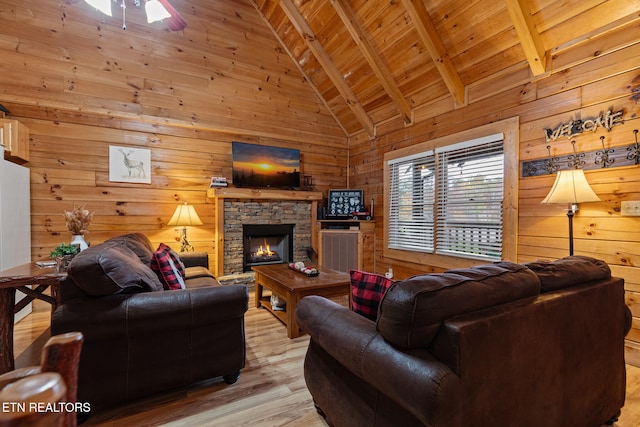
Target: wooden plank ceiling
371, 61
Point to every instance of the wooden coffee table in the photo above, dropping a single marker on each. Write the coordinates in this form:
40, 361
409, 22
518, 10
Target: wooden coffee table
292, 286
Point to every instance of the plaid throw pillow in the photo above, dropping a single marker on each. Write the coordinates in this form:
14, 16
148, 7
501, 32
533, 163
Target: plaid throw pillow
167, 265
367, 290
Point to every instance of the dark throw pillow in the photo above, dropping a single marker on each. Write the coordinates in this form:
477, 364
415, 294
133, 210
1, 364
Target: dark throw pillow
137, 242
367, 290
109, 269
167, 265
569, 271
413, 310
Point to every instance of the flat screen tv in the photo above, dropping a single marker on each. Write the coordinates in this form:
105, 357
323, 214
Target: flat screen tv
263, 166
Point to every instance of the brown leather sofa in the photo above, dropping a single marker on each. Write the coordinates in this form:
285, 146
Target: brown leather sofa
140, 339
504, 344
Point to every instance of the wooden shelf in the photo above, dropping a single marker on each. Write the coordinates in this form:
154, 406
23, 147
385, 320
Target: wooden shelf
258, 193
280, 314
346, 224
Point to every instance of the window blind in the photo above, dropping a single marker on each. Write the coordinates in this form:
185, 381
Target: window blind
469, 203
449, 201
412, 198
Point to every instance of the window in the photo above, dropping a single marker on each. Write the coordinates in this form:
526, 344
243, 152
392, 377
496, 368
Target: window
412, 202
470, 192
448, 200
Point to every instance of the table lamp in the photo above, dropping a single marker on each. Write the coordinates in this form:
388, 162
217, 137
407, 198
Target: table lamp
185, 215
571, 187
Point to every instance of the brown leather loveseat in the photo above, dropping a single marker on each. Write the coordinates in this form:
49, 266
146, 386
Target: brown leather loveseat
140, 339
504, 344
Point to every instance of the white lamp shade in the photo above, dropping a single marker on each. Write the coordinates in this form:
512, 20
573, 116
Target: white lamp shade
103, 6
185, 215
155, 11
571, 186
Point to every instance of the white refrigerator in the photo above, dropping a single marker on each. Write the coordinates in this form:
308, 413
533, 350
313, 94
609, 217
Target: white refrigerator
15, 219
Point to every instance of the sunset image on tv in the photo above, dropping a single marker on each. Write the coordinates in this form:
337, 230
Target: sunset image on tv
265, 166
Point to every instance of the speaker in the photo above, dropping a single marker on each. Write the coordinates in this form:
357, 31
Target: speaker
322, 213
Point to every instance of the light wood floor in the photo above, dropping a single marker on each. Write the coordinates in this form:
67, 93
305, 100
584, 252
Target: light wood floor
270, 392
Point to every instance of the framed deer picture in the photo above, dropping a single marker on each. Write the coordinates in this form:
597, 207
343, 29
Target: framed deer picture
128, 164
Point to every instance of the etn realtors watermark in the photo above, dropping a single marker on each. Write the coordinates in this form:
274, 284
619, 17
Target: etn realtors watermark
42, 407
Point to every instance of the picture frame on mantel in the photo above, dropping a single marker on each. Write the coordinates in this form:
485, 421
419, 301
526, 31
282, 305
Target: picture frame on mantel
127, 164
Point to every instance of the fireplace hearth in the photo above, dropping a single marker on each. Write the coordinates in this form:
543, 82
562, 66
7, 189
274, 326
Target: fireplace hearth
267, 244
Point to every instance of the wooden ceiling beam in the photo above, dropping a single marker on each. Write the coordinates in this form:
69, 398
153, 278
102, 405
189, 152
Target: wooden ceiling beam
529, 37
429, 36
324, 59
374, 60
299, 66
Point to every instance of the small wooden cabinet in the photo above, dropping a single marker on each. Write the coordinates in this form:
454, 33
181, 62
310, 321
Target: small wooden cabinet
15, 138
345, 245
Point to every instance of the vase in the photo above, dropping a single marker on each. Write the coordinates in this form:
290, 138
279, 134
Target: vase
78, 239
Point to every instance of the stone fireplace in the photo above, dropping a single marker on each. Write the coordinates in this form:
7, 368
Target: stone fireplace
239, 210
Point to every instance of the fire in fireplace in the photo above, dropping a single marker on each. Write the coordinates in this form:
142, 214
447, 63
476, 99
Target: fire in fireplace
267, 244
264, 254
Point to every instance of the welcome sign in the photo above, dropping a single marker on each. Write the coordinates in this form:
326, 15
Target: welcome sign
605, 120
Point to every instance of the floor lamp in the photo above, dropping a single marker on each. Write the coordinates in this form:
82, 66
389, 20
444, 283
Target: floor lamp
571, 187
185, 215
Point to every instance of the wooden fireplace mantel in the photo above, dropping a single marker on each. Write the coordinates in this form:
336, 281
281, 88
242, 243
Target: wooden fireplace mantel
265, 194
220, 194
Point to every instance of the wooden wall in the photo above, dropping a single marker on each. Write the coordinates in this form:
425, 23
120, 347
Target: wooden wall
81, 84
572, 91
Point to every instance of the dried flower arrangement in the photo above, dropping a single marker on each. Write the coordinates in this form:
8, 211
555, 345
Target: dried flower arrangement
78, 219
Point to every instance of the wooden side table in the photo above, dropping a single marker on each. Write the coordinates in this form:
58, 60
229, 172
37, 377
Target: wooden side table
19, 278
292, 286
